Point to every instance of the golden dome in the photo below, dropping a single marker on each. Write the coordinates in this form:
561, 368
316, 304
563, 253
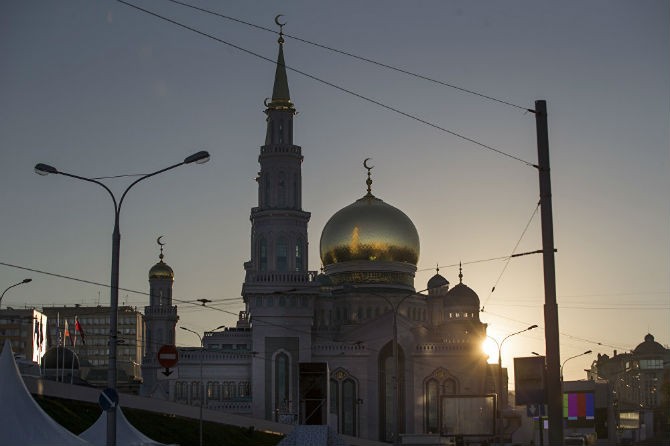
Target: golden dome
372, 230
161, 270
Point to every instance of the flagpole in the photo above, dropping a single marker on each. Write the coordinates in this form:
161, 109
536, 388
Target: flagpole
57, 341
74, 351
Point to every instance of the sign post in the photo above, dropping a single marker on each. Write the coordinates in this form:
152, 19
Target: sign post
168, 356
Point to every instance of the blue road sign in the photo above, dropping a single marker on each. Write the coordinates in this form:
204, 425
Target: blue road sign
536, 410
108, 399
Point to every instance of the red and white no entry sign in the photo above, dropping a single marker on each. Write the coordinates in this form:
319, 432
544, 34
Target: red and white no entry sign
168, 356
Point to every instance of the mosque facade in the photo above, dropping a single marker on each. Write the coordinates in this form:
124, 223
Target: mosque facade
361, 317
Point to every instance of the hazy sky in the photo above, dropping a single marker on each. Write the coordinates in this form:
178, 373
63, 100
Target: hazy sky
102, 89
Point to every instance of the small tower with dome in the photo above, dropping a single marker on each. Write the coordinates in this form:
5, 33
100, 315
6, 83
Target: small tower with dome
160, 318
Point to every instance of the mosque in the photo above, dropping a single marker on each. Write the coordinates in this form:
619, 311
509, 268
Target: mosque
360, 321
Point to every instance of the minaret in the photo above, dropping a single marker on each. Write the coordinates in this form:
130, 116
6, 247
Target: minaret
160, 319
277, 287
278, 223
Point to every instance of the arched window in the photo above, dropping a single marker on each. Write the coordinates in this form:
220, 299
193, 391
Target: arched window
281, 190
267, 186
213, 390
298, 255
296, 191
432, 393
349, 407
263, 254
282, 254
195, 391
438, 384
281, 382
387, 397
344, 402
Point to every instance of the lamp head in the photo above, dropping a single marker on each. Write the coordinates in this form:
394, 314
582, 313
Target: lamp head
531, 327
587, 352
198, 158
44, 169
30, 280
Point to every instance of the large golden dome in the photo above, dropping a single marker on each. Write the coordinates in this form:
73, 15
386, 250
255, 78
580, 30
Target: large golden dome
372, 230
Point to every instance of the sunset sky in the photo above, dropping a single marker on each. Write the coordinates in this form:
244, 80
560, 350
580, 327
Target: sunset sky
102, 89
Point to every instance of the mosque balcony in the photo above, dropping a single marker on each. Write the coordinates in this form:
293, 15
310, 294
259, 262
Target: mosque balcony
337, 348
293, 278
449, 345
162, 311
273, 149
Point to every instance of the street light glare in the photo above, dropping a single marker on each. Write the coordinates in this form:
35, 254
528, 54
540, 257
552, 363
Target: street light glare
490, 349
198, 158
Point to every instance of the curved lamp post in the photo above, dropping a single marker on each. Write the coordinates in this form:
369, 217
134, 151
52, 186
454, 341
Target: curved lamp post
500, 389
587, 352
12, 286
202, 387
45, 169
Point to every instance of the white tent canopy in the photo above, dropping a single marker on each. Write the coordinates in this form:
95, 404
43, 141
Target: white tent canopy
24, 422
126, 434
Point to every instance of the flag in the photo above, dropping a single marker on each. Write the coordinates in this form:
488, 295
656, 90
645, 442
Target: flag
66, 334
78, 329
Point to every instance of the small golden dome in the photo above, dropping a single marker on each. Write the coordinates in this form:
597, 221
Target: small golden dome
372, 230
161, 270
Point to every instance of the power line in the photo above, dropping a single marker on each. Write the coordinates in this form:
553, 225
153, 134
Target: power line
330, 84
364, 59
532, 216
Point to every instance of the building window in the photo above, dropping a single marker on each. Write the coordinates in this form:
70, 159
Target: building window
263, 254
298, 255
387, 400
181, 391
281, 381
244, 389
432, 392
282, 254
349, 407
213, 390
195, 391
344, 402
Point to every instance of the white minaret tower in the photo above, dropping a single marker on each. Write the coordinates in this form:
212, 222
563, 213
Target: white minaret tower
160, 319
277, 286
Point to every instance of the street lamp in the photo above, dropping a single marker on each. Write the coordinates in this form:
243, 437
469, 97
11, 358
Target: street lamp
587, 352
45, 169
202, 389
12, 286
500, 386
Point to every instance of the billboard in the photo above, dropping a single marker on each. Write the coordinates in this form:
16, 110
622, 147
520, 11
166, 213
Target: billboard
529, 380
579, 409
468, 415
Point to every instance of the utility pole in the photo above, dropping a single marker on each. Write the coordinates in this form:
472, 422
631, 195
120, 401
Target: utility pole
553, 383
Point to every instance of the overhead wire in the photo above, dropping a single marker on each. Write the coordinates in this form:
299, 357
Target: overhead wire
337, 87
355, 56
523, 233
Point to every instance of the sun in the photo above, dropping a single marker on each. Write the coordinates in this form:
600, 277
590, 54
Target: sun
490, 349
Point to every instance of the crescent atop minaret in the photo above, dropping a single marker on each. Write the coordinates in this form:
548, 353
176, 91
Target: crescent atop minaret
365, 164
277, 20
158, 240
265, 102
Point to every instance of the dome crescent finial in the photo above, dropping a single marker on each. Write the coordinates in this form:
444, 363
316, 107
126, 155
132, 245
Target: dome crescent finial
161, 244
281, 28
460, 272
369, 180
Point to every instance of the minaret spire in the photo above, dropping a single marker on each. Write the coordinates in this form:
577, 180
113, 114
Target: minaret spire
281, 97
